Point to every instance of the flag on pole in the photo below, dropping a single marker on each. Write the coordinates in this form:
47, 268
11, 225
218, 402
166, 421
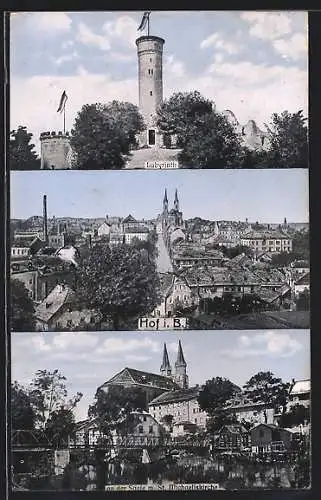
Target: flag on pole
62, 103
144, 20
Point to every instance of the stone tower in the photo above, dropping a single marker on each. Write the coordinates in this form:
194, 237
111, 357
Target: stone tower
166, 369
150, 81
180, 376
55, 150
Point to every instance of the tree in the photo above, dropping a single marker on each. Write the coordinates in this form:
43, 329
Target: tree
255, 159
167, 420
113, 409
206, 137
127, 118
288, 137
213, 398
21, 308
301, 245
179, 112
211, 142
48, 395
118, 282
22, 413
265, 388
103, 134
60, 426
21, 154
297, 415
282, 259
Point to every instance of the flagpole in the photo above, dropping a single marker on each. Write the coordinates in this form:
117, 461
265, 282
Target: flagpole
148, 25
64, 118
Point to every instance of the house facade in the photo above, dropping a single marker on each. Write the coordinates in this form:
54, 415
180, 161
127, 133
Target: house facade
267, 438
272, 242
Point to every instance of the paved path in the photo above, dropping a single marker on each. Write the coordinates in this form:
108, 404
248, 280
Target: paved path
138, 157
163, 261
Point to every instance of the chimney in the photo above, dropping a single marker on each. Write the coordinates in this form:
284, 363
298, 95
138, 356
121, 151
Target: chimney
45, 221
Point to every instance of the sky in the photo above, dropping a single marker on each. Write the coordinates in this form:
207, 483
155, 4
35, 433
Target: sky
88, 360
252, 63
266, 195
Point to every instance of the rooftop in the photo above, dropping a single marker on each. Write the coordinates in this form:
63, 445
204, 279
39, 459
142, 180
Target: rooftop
175, 396
58, 297
142, 378
301, 387
304, 280
265, 235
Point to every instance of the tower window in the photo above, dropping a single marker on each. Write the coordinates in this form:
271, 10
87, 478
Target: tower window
151, 92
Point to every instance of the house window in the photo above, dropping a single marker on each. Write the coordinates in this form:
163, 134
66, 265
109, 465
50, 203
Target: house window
195, 420
151, 429
144, 418
261, 433
140, 429
151, 92
151, 60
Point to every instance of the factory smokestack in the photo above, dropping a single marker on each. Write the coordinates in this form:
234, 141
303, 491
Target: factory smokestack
45, 220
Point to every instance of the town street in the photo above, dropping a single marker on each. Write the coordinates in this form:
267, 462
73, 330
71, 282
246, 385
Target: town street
163, 260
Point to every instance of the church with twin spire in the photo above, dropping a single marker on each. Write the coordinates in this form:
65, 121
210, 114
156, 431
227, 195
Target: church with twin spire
173, 217
167, 393
179, 376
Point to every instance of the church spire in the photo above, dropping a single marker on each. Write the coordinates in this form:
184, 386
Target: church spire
180, 361
176, 202
165, 368
165, 202
181, 377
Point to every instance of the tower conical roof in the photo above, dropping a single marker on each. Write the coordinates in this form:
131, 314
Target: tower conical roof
165, 364
165, 195
180, 356
176, 195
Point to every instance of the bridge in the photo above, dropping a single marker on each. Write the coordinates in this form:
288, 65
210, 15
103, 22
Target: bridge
24, 441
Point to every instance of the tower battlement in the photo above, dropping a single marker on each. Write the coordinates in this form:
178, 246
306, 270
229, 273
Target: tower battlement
150, 43
54, 135
55, 150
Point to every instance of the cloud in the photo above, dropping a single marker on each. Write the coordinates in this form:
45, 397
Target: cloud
295, 47
67, 44
123, 30
269, 343
74, 340
117, 345
268, 25
39, 344
65, 58
49, 22
216, 41
173, 66
277, 27
88, 37
136, 358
